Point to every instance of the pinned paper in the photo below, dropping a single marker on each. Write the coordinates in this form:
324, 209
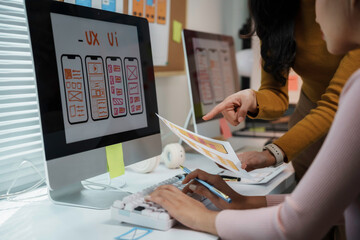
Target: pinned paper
177, 28
109, 5
85, 3
293, 82
225, 129
115, 160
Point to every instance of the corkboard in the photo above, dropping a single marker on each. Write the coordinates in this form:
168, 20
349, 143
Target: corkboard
176, 53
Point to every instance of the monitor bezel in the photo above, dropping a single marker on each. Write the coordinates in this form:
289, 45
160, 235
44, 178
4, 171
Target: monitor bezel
48, 84
189, 35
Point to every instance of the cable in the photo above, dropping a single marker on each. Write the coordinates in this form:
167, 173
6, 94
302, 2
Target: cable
36, 185
89, 185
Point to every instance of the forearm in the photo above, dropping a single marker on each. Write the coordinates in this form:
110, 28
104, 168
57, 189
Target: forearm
256, 202
247, 202
306, 132
317, 123
272, 98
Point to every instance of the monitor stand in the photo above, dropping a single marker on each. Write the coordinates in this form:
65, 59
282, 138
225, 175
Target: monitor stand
78, 196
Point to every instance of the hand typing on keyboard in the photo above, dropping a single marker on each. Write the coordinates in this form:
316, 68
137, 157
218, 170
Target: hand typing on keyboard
193, 214
158, 206
136, 210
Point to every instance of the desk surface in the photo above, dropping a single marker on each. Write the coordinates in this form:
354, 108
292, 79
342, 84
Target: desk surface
39, 218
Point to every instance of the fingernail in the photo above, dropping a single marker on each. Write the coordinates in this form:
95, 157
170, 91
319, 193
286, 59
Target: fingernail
147, 197
240, 119
192, 187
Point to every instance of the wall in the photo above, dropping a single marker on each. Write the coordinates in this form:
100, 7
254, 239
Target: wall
216, 16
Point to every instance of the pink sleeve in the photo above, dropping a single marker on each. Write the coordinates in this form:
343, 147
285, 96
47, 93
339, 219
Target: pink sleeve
318, 202
272, 200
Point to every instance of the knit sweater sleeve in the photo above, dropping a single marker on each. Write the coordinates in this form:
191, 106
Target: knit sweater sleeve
317, 123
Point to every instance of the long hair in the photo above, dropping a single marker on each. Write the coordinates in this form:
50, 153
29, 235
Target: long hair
274, 22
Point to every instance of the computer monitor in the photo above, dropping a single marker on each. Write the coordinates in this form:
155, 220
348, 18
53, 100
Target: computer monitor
96, 87
212, 76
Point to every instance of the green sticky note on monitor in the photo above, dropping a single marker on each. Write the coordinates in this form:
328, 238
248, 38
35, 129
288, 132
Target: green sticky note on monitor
177, 27
115, 160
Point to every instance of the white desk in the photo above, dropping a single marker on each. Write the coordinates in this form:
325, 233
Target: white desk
42, 219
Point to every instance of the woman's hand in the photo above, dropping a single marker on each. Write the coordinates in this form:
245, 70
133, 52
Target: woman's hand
185, 209
235, 107
254, 160
238, 201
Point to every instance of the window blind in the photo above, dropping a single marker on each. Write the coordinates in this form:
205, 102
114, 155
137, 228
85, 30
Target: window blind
20, 136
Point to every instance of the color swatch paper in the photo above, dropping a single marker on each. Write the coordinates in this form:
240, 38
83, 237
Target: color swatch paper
220, 152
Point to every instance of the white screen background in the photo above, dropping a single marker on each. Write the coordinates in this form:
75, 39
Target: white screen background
226, 70
68, 30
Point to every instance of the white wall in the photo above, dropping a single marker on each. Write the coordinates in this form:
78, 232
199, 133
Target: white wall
216, 16
205, 15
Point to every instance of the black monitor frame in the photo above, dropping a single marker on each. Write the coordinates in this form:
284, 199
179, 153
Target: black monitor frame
46, 71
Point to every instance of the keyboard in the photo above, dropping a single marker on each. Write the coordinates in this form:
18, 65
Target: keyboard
133, 209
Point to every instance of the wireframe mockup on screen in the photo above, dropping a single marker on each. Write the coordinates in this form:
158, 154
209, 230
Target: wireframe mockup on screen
96, 87
212, 75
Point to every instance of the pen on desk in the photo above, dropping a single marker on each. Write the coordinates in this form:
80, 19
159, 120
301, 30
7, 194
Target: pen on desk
210, 187
230, 178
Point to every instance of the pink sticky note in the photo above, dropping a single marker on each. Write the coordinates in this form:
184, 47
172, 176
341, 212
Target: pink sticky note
293, 82
225, 129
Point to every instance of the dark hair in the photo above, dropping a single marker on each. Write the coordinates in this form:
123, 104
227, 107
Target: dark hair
273, 22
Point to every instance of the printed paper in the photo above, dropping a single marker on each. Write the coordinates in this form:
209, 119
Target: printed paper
220, 152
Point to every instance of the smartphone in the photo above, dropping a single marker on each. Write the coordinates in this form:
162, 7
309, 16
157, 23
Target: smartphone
138, 8
97, 88
161, 12
216, 75
133, 85
116, 86
203, 76
150, 10
74, 89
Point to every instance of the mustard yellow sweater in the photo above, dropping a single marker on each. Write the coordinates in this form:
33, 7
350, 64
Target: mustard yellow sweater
323, 76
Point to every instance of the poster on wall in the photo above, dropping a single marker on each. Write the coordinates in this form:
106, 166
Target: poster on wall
157, 12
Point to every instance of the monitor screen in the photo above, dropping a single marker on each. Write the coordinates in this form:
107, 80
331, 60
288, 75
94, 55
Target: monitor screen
94, 75
100, 77
212, 74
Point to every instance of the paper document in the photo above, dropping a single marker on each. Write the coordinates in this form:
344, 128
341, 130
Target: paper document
220, 152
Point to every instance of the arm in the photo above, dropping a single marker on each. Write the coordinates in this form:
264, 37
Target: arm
317, 123
272, 98
322, 195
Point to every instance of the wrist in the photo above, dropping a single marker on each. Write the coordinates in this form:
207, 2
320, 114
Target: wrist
277, 154
256, 202
254, 107
270, 158
207, 224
